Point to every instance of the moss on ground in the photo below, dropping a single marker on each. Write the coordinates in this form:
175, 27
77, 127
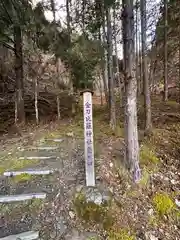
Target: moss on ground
122, 234
33, 205
148, 155
11, 164
145, 179
93, 213
22, 178
163, 204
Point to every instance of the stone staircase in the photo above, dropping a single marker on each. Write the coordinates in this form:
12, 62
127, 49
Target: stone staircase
33, 197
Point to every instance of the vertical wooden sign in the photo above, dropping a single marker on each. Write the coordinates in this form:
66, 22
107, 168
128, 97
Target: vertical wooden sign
88, 138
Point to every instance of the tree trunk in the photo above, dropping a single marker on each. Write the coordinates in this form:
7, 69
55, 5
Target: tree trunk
36, 99
140, 82
165, 53
147, 98
179, 69
110, 72
137, 51
68, 19
117, 62
19, 99
131, 132
103, 68
57, 97
57, 62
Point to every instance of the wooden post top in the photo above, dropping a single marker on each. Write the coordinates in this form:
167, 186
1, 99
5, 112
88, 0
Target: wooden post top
86, 90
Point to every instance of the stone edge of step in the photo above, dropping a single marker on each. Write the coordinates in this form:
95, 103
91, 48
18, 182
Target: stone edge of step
21, 197
30, 235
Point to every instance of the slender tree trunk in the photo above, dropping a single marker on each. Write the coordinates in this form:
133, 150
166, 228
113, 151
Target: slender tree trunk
131, 131
165, 53
68, 19
147, 98
19, 99
137, 51
36, 99
57, 97
140, 82
103, 69
57, 62
116, 54
83, 15
106, 63
179, 68
53, 9
110, 72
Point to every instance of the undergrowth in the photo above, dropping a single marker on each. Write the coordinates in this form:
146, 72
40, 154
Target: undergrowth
91, 212
163, 204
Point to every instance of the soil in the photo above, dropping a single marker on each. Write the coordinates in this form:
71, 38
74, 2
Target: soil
133, 205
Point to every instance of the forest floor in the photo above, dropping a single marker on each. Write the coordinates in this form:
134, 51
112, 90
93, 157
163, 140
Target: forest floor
148, 210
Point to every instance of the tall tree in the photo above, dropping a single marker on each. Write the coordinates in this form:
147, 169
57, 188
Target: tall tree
131, 131
19, 100
165, 52
53, 9
147, 98
116, 54
14, 15
110, 70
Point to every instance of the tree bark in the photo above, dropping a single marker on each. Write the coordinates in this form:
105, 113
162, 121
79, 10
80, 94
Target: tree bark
179, 68
68, 19
137, 51
140, 82
36, 99
165, 53
117, 62
110, 72
147, 98
131, 131
19, 98
103, 68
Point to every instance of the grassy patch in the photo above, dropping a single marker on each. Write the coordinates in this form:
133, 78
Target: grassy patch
93, 213
144, 182
16, 209
22, 178
16, 164
163, 204
121, 234
148, 156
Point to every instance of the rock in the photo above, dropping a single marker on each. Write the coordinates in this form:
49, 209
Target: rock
70, 134
174, 182
96, 195
71, 214
111, 164
60, 225
150, 212
150, 236
177, 202
98, 178
79, 188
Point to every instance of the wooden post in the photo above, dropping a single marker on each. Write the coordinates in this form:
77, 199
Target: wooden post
88, 138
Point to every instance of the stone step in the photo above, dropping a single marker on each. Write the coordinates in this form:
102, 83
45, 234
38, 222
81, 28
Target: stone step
21, 197
29, 172
30, 235
37, 157
56, 140
42, 148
